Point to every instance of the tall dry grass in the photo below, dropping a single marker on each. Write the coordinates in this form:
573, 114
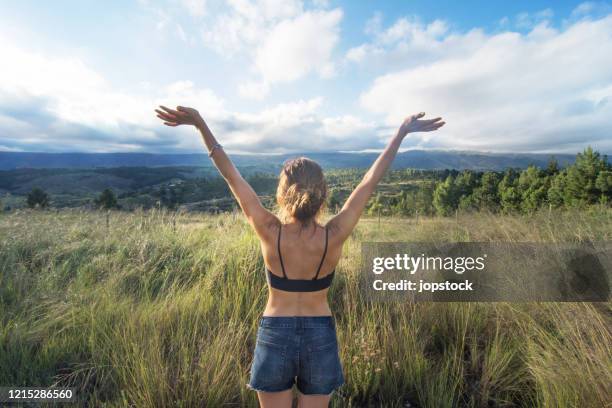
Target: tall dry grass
159, 309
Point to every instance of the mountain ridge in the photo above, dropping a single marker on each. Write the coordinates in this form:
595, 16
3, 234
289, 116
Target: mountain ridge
421, 159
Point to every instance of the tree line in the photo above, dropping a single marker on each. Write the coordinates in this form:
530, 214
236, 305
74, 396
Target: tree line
586, 182
408, 192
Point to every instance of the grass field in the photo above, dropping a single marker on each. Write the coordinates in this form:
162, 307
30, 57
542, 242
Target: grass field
155, 309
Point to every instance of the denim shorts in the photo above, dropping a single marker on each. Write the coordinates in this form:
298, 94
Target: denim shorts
300, 350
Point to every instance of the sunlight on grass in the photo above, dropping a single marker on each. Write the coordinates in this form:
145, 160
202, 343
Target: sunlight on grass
160, 309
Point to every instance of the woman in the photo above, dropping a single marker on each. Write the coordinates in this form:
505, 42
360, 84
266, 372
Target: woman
296, 340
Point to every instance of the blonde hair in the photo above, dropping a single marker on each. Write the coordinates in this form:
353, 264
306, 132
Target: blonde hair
301, 191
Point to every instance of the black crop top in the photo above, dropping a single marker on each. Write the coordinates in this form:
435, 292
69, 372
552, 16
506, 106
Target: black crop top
299, 285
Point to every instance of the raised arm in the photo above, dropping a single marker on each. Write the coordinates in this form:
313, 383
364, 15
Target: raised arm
258, 216
343, 223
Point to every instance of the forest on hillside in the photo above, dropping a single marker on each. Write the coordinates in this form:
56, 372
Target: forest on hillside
586, 182
404, 192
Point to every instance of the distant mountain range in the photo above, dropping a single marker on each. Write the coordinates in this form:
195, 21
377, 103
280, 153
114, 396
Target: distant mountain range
420, 159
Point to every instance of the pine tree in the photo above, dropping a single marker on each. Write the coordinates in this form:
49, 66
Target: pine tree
581, 188
423, 198
37, 198
556, 192
376, 207
486, 196
510, 198
604, 184
107, 199
333, 200
533, 189
553, 166
445, 197
465, 183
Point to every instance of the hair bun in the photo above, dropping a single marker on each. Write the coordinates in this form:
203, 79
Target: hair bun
301, 190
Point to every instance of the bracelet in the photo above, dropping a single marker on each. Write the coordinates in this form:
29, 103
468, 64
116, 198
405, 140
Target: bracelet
215, 147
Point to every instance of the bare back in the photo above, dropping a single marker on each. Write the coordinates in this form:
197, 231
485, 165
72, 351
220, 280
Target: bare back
302, 249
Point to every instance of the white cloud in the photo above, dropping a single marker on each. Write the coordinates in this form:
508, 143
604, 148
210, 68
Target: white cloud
590, 9
63, 104
278, 37
256, 90
56, 103
412, 30
290, 52
278, 9
374, 24
410, 42
197, 8
181, 33
297, 127
245, 24
75, 92
530, 20
358, 54
321, 3
545, 90
9, 149
167, 16
583, 8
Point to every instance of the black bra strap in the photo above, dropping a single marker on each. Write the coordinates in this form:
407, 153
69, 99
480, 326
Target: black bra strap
323, 257
280, 257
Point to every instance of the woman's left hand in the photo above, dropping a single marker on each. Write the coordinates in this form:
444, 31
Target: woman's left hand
414, 123
181, 116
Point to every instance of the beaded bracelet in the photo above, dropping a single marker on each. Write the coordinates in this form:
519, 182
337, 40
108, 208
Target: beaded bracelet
215, 147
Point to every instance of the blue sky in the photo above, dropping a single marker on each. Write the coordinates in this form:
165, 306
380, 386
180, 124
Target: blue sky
289, 76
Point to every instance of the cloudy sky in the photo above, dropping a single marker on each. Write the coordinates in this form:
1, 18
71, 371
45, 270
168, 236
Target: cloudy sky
288, 76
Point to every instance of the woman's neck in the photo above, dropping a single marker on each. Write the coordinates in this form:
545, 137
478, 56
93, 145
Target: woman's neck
300, 224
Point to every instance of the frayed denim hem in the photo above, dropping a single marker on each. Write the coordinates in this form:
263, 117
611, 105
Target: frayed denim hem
250, 387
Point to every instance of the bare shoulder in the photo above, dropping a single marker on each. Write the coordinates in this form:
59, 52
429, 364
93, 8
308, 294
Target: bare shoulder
336, 234
267, 230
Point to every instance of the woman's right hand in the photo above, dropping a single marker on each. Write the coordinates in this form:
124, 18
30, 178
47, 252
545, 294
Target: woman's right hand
181, 116
414, 123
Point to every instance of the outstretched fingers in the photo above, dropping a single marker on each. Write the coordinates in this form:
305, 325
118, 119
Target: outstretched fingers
433, 126
164, 115
176, 113
169, 120
414, 117
169, 110
172, 117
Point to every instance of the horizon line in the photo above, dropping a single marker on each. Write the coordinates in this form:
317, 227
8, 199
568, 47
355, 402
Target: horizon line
368, 151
